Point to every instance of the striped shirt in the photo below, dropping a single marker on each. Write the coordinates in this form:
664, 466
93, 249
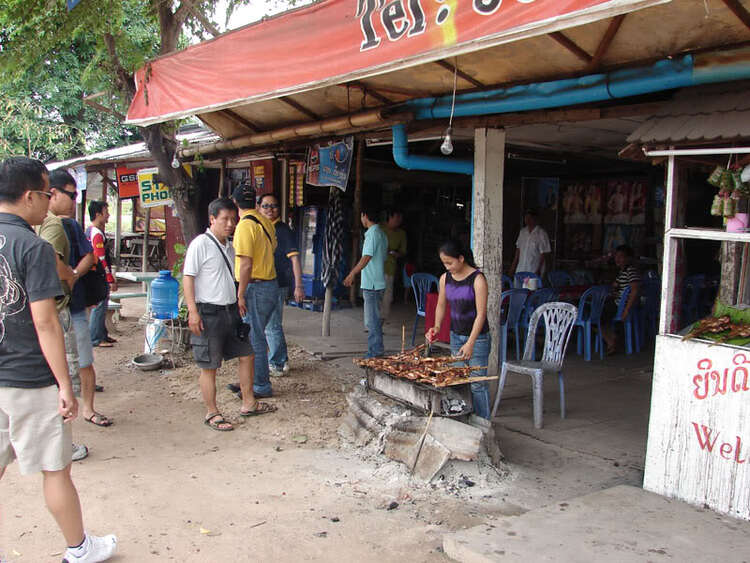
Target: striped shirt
629, 274
463, 303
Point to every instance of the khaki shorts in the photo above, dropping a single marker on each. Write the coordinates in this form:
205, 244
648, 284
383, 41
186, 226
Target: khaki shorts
32, 430
71, 348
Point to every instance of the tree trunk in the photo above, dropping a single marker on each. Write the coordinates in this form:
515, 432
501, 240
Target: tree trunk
183, 188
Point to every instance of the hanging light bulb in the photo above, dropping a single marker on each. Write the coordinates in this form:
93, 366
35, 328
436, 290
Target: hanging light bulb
447, 147
175, 161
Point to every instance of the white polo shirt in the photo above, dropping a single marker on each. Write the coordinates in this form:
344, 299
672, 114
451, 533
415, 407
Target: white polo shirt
531, 246
214, 282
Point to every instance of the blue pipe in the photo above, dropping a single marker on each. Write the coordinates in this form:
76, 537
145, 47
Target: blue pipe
432, 163
666, 74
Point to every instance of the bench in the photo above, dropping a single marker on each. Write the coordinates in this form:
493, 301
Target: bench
114, 305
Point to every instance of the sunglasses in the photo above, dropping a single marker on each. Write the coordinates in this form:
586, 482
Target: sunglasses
71, 195
270, 206
48, 195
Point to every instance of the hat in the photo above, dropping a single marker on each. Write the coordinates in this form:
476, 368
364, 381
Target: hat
244, 195
531, 211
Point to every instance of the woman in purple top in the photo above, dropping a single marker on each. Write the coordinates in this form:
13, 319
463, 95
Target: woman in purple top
465, 288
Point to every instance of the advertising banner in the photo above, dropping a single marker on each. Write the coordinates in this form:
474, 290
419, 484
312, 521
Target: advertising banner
329, 165
333, 41
153, 192
127, 182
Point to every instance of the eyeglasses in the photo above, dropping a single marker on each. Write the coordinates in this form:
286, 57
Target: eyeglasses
270, 206
48, 195
71, 195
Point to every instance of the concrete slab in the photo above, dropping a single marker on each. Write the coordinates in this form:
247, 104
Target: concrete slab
623, 524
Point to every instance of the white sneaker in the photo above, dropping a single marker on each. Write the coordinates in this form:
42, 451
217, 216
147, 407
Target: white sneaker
80, 452
275, 372
285, 369
94, 549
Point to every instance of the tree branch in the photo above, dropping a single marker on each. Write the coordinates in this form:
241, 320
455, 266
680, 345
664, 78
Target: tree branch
123, 77
189, 6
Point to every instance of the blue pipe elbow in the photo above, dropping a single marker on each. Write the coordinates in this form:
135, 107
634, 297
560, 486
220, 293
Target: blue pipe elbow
430, 163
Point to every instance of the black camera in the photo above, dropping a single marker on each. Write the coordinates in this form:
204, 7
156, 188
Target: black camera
243, 331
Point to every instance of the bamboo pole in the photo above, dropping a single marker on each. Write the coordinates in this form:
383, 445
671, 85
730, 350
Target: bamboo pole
144, 258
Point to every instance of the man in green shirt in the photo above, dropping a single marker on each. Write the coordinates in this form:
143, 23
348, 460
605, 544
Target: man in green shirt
396, 251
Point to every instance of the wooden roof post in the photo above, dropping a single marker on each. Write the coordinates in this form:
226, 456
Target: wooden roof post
487, 226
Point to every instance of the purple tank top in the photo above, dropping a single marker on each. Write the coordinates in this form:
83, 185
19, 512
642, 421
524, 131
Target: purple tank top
462, 299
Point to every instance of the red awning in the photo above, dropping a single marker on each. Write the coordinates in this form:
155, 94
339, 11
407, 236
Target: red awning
336, 41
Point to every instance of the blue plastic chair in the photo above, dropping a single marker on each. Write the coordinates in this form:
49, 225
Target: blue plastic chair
590, 307
582, 277
406, 279
533, 302
631, 324
507, 282
520, 276
559, 278
511, 307
650, 308
421, 284
692, 290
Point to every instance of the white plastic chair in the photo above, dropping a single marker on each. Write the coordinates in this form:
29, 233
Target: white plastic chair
558, 319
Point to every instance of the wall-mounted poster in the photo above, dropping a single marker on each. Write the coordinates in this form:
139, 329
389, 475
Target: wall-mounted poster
329, 165
582, 203
618, 202
638, 202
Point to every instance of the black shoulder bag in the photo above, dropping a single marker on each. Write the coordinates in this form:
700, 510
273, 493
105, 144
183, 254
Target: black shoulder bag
255, 219
94, 282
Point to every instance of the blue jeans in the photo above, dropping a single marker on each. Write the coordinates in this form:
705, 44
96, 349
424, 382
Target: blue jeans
480, 391
261, 298
97, 323
373, 321
277, 352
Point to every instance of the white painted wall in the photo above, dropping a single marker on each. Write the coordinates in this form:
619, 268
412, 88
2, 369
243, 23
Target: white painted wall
699, 431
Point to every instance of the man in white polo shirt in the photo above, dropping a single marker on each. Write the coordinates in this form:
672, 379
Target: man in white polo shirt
218, 332
532, 247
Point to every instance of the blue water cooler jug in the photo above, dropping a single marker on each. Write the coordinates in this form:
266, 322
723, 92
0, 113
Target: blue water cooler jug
165, 296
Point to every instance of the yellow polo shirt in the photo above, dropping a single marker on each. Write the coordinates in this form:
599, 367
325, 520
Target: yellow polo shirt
251, 241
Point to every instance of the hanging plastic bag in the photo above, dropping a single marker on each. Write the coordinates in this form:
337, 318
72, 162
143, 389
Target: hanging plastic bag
730, 207
715, 177
717, 206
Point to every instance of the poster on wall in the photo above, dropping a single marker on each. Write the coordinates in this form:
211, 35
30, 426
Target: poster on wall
618, 202
329, 165
296, 184
582, 203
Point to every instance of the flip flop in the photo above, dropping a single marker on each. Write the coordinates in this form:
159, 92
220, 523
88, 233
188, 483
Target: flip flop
110, 340
213, 424
99, 420
260, 408
104, 344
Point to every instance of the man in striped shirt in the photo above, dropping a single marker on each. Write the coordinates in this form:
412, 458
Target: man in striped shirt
628, 276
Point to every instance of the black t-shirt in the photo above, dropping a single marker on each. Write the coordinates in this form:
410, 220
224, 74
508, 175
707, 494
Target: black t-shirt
28, 273
287, 247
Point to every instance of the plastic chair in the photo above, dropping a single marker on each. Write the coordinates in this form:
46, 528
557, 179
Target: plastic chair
631, 324
559, 318
520, 276
533, 301
406, 280
693, 287
511, 306
650, 307
421, 284
590, 308
507, 282
559, 278
582, 277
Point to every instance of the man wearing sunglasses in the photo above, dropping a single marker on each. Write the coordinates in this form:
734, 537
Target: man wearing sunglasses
288, 275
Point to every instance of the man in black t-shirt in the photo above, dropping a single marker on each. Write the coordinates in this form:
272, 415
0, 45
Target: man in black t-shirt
289, 277
627, 277
36, 394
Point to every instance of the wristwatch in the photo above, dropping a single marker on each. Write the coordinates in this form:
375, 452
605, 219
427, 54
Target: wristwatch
75, 273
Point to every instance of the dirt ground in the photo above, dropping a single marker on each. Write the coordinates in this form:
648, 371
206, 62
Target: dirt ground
280, 487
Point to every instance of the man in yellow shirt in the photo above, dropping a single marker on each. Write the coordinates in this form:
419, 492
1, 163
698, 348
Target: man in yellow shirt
258, 291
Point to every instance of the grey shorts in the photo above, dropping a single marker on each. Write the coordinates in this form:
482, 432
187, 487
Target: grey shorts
71, 348
32, 430
219, 340
83, 338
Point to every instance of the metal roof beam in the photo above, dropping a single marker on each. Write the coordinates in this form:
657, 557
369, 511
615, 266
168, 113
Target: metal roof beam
461, 74
609, 35
571, 46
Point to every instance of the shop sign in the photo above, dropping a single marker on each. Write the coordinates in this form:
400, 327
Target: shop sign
329, 165
699, 430
153, 192
127, 182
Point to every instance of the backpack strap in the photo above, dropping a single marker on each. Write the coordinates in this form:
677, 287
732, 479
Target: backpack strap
255, 219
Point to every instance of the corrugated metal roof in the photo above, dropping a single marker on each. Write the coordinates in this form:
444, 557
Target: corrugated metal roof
719, 112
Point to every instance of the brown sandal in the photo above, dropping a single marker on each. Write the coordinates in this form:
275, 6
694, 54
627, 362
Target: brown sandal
260, 408
212, 422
